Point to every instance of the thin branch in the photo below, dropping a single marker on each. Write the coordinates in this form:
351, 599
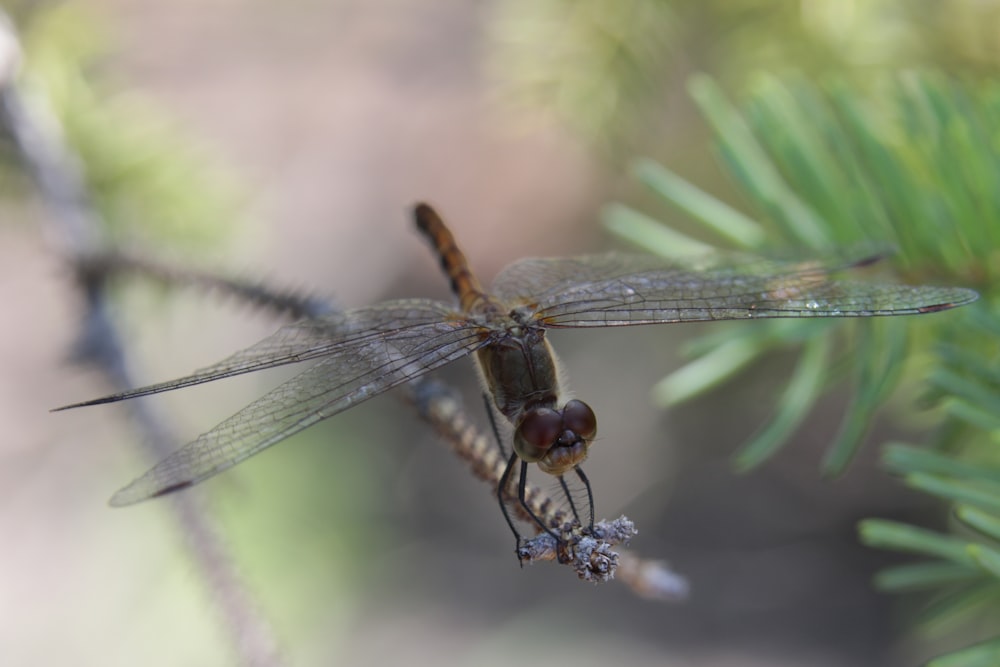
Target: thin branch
75, 229
286, 304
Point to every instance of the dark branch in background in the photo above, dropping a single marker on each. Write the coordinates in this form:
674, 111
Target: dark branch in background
287, 304
75, 230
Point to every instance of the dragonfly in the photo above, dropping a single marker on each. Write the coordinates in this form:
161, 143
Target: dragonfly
363, 352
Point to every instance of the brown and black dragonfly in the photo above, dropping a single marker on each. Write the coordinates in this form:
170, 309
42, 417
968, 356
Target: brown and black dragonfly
363, 352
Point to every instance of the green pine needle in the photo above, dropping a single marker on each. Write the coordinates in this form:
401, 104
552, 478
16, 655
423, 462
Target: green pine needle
905, 162
924, 576
884, 534
986, 654
798, 398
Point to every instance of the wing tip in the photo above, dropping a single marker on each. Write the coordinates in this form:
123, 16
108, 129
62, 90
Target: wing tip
84, 404
133, 494
938, 307
957, 298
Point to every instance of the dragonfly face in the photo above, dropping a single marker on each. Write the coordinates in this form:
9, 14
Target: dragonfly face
557, 440
363, 352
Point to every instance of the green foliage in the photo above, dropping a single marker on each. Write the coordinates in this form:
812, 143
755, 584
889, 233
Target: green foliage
589, 63
962, 570
907, 163
607, 70
148, 181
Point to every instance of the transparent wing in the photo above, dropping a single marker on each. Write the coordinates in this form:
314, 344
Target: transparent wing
352, 371
304, 340
621, 290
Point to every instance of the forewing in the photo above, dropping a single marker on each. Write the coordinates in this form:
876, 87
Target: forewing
352, 372
621, 290
304, 340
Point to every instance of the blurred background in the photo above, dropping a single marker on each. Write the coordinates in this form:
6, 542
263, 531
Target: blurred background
286, 143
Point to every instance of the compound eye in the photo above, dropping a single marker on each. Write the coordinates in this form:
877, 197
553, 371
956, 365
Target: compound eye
536, 434
579, 418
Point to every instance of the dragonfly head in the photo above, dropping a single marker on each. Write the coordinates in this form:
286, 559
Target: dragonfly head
557, 440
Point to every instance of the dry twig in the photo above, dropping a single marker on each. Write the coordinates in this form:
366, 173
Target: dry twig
588, 553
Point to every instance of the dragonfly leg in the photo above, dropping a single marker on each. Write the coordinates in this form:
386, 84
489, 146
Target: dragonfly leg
521, 493
569, 497
590, 495
521, 488
501, 487
493, 422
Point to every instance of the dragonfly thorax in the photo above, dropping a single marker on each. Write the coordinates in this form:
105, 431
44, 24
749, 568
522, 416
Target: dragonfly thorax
519, 371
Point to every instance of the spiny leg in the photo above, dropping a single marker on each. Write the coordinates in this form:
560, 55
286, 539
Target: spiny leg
521, 493
569, 498
501, 487
590, 496
493, 423
521, 497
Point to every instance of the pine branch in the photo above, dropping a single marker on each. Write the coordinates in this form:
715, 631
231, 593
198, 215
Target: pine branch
907, 164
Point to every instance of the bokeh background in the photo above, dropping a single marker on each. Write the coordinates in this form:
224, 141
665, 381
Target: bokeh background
316, 126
